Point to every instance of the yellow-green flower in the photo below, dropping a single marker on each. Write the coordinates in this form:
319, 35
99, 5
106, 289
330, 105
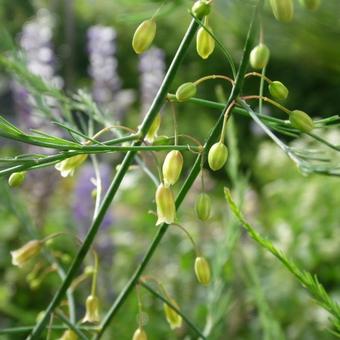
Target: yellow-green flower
139, 334
173, 318
92, 310
166, 210
68, 166
202, 271
69, 335
26, 252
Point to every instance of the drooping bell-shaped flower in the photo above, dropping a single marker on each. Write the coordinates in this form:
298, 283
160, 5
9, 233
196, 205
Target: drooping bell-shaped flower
68, 166
173, 318
26, 252
202, 270
92, 310
166, 210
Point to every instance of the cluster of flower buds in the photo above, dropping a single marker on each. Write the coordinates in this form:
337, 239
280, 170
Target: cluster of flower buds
259, 56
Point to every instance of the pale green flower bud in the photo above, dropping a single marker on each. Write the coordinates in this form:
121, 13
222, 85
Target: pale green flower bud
92, 310
26, 252
152, 133
301, 121
278, 90
172, 167
16, 179
202, 271
203, 206
205, 43
69, 335
144, 36
259, 56
201, 8
139, 334
186, 91
173, 318
166, 210
217, 156
68, 166
283, 10
311, 5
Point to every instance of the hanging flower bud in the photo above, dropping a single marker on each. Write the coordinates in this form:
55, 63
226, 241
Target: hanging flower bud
203, 206
26, 252
259, 56
201, 8
92, 310
144, 35
205, 43
186, 91
68, 166
166, 210
217, 156
173, 318
153, 130
172, 167
301, 121
16, 179
278, 90
311, 5
139, 334
283, 10
69, 335
202, 271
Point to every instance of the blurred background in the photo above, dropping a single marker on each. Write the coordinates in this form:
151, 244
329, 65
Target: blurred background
86, 44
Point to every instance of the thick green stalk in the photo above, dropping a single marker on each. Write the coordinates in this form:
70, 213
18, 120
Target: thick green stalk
185, 188
153, 111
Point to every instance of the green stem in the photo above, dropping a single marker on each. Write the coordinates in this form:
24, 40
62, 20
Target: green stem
153, 111
186, 186
159, 296
74, 328
50, 160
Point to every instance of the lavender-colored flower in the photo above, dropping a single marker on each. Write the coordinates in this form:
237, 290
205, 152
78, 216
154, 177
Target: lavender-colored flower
106, 88
35, 41
152, 70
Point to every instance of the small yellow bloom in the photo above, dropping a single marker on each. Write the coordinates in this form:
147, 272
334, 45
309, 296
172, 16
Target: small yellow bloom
69, 335
202, 271
139, 334
26, 252
173, 318
67, 166
92, 310
166, 210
